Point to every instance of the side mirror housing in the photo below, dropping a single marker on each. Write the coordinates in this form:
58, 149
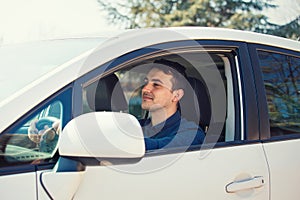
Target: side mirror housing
102, 136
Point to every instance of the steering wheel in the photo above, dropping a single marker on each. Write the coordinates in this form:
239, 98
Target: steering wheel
43, 129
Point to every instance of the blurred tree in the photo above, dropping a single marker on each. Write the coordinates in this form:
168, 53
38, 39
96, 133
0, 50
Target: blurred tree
238, 14
290, 30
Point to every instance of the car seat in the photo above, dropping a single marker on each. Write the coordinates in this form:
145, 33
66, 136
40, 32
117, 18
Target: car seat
106, 95
109, 95
195, 104
199, 108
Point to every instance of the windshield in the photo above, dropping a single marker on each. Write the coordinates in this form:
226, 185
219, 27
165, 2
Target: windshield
21, 64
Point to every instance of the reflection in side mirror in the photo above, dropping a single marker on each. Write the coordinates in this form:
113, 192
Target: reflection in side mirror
102, 135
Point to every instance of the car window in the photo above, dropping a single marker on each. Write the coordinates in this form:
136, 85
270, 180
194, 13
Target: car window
281, 75
33, 139
206, 73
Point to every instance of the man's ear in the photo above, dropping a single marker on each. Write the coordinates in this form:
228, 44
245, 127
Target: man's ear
178, 94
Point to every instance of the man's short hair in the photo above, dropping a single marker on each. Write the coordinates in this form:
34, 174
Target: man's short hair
175, 69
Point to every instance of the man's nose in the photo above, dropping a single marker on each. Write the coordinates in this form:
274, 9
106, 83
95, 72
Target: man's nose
147, 87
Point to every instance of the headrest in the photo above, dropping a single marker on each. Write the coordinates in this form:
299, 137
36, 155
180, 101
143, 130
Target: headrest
109, 95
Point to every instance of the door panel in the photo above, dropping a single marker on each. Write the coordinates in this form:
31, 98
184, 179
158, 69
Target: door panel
190, 175
18, 186
284, 164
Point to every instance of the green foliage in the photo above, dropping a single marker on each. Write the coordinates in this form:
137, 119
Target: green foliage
290, 30
237, 14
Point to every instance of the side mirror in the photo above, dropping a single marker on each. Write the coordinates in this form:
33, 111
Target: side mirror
102, 135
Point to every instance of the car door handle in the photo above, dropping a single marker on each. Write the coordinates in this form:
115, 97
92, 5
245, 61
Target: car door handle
251, 183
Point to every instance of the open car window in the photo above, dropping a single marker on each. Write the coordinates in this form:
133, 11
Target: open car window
210, 83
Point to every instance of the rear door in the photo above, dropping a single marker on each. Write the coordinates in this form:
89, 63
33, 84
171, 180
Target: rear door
278, 81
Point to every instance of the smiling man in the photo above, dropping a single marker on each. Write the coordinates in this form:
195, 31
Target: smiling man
164, 87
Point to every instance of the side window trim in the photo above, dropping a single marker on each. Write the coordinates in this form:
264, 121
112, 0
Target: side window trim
240, 91
248, 94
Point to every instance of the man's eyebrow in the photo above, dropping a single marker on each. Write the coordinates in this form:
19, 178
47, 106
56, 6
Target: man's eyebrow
157, 80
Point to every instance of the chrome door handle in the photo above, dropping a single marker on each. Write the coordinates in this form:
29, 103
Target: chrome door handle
251, 183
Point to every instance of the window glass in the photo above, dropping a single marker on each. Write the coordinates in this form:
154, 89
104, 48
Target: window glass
281, 74
33, 138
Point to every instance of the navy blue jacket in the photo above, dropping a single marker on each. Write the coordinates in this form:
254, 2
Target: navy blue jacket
174, 132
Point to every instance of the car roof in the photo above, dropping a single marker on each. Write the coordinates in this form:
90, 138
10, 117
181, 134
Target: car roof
116, 45
239, 35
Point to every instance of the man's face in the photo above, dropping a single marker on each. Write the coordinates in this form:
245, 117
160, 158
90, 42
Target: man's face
157, 92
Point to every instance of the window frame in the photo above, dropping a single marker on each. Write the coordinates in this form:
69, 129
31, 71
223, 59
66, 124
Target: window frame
264, 125
250, 132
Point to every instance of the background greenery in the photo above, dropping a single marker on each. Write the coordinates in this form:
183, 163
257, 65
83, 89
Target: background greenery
236, 14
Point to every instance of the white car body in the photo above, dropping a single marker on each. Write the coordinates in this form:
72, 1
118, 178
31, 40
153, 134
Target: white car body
242, 168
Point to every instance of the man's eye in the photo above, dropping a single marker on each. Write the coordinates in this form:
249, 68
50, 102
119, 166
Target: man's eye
157, 85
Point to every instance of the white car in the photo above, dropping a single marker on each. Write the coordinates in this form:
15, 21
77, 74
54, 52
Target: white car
70, 110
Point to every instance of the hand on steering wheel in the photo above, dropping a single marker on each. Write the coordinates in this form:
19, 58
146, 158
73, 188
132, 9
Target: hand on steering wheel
43, 129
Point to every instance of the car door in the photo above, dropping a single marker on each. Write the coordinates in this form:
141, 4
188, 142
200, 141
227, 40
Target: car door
231, 163
278, 78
